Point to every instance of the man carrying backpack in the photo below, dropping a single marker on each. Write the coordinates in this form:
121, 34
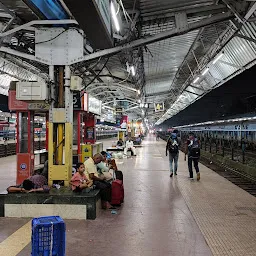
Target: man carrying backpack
173, 148
193, 152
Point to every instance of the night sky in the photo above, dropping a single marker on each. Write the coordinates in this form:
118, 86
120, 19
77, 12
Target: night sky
236, 97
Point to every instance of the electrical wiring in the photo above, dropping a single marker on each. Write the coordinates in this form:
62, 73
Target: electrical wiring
91, 67
51, 39
124, 79
98, 72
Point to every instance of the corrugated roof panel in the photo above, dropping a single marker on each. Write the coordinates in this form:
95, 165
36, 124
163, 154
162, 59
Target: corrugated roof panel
164, 58
238, 53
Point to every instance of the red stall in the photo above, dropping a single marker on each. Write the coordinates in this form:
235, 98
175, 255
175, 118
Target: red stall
25, 135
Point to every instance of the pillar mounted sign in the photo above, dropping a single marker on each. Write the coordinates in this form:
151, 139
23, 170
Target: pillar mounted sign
159, 107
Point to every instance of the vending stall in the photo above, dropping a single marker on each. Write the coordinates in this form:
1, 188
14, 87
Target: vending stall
25, 134
86, 108
90, 147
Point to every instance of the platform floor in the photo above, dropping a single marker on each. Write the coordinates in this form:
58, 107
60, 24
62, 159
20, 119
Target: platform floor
160, 216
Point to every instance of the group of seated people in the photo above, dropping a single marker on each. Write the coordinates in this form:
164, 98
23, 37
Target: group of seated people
93, 173
128, 146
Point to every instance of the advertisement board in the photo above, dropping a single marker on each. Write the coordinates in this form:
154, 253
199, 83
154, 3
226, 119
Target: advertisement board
94, 105
119, 116
23, 167
15, 104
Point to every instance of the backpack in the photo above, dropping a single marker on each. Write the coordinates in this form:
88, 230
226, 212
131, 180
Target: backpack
173, 146
194, 149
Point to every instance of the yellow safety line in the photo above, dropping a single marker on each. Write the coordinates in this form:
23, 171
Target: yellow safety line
16, 242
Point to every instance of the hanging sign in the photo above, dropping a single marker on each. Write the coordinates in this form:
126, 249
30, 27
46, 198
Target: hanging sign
15, 104
119, 110
94, 105
39, 106
77, 103
159, 107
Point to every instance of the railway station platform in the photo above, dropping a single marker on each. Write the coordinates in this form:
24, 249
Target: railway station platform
160, 216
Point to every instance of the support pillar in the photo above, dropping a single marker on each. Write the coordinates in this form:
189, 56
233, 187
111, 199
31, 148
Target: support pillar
60, 122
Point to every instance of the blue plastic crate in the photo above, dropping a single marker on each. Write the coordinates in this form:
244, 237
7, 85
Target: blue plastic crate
48, 233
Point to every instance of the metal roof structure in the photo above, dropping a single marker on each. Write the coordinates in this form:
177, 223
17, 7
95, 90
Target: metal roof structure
181, 50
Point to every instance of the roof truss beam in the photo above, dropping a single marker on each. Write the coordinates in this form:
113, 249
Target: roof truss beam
160, 36
199, 11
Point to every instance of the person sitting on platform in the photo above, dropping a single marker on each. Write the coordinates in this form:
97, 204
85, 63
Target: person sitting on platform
129, 146
36, 183
104, 164
99, 182
79, 181
120, 143
138, 140
104, 167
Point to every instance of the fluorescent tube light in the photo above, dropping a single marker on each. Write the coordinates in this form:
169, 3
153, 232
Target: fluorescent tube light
114, 16
133, 70
196, 80
205, 71
218, 58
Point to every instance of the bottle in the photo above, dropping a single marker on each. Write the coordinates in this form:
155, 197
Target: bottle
57, 186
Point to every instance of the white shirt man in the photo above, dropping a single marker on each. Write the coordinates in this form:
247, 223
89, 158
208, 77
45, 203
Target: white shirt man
129, 146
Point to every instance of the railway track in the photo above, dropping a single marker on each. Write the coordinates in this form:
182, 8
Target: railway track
241, 180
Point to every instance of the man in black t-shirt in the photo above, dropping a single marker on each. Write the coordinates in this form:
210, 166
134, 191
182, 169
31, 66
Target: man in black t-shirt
193, 152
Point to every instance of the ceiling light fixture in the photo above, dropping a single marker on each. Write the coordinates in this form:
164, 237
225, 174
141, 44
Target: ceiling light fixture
218, 58
205, 71
114, 16
133, 70
196, 80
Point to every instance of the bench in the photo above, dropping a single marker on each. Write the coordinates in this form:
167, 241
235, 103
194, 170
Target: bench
114, 149
63, 202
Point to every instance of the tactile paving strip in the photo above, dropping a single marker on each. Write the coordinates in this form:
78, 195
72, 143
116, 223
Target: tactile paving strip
225, 214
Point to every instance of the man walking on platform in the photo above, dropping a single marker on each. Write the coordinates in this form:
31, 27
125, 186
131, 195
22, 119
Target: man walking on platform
192, 149
173, 148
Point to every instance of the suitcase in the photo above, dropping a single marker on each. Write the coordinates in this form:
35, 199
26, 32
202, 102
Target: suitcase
119, 176
117, 192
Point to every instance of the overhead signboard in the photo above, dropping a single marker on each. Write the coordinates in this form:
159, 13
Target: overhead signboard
119, 110
80, 101
77, 101
39, 106
119, 115
85, 101
15, 104
159, 107
108, 116
94, 105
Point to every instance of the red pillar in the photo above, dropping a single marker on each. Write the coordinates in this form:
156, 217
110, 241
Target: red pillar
90, 130
25, 145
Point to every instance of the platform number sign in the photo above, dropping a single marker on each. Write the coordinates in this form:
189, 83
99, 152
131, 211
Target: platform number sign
23, 166
159, 107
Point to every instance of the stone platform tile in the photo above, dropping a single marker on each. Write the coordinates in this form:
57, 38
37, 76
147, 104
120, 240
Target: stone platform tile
225, 214
77, 212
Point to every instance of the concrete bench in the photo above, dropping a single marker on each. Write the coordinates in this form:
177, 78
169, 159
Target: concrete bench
63, 202
113, 149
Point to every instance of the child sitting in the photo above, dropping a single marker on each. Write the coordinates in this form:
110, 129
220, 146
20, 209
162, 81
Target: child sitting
79, 181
